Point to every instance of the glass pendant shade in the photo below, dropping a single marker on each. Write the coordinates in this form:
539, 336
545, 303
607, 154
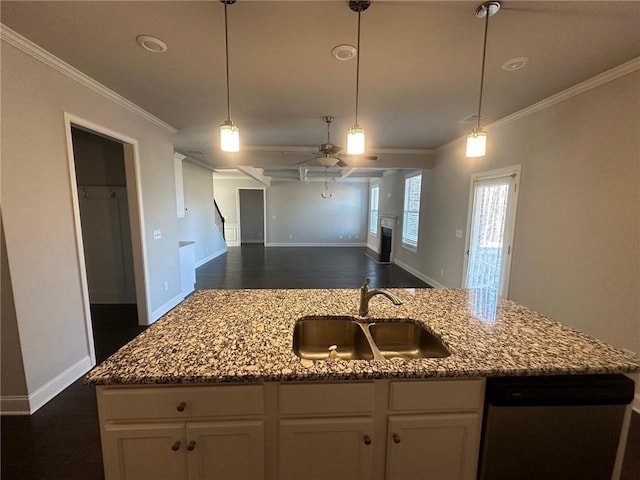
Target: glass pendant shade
355, 140
229, 137
477, 143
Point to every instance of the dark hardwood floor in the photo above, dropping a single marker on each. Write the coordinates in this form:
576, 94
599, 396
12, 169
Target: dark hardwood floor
61, 441
256, 266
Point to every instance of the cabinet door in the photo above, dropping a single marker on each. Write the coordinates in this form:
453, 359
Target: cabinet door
435, 446
326, 448
226, 450
140, 452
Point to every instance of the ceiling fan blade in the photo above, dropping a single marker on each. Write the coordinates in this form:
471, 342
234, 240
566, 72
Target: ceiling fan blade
336, 149
307, 160
342, 164
363, 157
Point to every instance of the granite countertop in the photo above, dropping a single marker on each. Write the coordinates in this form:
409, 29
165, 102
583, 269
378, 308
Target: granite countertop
221, 336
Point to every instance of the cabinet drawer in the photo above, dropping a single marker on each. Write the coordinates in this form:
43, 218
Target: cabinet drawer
329, 398
436, 395
179, 402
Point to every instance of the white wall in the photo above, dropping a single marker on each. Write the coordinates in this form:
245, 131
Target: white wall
198, 224
38, 213
576, 255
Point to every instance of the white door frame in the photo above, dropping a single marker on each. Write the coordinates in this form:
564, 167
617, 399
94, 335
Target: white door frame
136, 220
510, 221
264, 212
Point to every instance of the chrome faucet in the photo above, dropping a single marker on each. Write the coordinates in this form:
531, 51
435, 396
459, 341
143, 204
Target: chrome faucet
366, 295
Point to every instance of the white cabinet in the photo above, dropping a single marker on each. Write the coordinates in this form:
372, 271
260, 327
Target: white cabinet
143, 451
326, 448
226, 450
432, 447
326, 431
196, 433
395, 430
433, 429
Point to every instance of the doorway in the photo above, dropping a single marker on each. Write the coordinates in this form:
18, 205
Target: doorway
490, 229
105, 188
251, 215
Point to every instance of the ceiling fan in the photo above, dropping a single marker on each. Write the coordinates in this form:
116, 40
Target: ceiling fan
329, 153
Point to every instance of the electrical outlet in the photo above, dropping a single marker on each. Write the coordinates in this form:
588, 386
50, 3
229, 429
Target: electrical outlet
290, 237
157, 234
442, 272
458, 233
166, 286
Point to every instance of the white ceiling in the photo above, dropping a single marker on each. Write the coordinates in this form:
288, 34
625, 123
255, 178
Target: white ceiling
420, 66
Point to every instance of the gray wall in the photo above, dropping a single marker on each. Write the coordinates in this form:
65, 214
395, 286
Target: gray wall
198, 224
302, 217
575, 254
12, 378
38, 212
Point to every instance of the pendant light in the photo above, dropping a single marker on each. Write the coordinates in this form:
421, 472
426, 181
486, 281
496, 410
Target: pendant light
355, 135
325, 193
229, 132
477, 139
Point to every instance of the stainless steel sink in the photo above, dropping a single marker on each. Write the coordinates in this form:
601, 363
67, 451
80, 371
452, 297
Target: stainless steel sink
403, 339
312, 337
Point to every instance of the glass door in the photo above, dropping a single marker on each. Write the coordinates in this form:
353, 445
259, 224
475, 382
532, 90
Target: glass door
492, 207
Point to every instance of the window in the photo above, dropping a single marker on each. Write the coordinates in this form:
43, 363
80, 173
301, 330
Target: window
373, 209
411, 215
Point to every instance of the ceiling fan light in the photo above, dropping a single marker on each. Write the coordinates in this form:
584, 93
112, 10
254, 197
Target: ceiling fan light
477, 143
355, 140
229, 137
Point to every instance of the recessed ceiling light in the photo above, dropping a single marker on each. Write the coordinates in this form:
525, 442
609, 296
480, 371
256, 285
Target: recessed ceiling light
151, 44
344, 52
515, 64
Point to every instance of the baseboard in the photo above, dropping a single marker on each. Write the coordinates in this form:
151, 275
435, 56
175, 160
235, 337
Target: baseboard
160, 311
373, 247
213, 256
418, 274
14, 405
53, 387
279, 244
252, 241
636, 403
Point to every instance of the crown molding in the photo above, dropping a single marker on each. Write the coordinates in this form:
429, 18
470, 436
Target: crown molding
27, 46
594, 82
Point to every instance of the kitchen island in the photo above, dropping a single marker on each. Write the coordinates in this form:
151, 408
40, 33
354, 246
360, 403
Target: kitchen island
215, 386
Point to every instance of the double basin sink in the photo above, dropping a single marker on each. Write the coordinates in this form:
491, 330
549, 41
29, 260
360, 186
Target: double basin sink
346, 338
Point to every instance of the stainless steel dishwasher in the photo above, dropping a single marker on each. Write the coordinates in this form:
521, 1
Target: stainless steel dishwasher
554, 427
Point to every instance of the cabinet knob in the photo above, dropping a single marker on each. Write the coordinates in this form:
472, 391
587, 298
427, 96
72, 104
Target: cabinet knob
191, 445
396, 438
181, 406
367, 440
176, 446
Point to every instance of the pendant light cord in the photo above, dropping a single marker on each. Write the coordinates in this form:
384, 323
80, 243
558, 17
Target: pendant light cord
226, 48
358, 67
484, 55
